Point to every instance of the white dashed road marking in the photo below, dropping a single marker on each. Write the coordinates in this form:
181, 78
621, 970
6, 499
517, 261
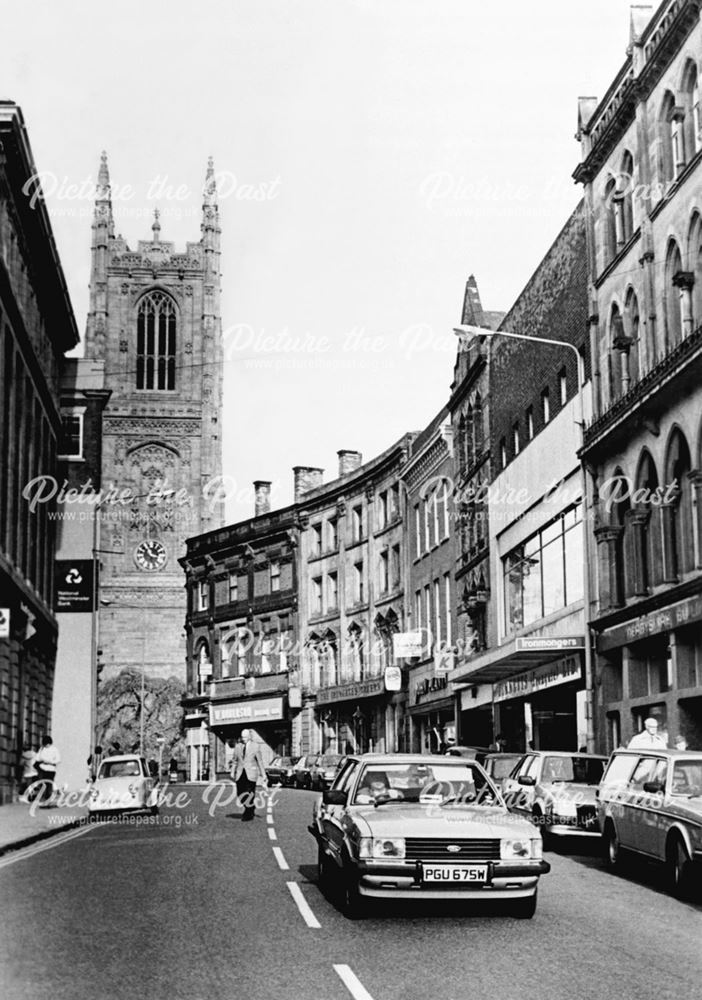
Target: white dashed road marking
280, 858
269, 818
271, 834
352, 983
303, 906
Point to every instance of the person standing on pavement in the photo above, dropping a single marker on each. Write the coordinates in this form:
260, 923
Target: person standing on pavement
46, 763
247, 767
27, 770
649, 738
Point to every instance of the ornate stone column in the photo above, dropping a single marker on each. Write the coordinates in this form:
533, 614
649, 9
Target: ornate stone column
685, 280
636, 520
607, 537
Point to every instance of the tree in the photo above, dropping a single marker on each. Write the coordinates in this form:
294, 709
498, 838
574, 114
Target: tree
120, 712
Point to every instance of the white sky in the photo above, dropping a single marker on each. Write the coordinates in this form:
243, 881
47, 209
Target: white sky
406, 144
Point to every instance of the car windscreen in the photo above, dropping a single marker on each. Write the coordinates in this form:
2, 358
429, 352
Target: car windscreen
120, 769
434, 784
579, 770
501, 767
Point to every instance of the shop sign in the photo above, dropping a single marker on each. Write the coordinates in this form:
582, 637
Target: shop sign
444, 661
393, 679
532, 681
544, 644
74, 585
4, 623
347, 692
205, 668
430, 685
407, 644
658, 621
233, 712
294, 697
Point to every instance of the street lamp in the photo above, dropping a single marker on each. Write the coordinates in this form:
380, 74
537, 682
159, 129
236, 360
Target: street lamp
480, 331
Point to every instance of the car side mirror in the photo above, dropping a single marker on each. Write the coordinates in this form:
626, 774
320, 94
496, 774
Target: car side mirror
654, 787
334, 797
527, 779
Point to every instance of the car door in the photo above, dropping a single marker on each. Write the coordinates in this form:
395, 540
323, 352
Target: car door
520, 797
646, 817
613, 796
334, 818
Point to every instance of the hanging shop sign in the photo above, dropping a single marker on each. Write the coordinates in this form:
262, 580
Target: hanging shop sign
532, 681
407, 644
345, 692
74, 585
393, 679
4, 623
444, 661
294, 697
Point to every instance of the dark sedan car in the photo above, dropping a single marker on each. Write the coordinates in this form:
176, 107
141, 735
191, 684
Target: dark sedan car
302, 770
281, 771
324, 771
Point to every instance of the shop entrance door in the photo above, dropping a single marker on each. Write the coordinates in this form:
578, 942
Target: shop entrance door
555, 720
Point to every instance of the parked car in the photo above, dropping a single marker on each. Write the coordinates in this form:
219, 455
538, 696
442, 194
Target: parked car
470, 753
650, 803
557, 790
400, 826
302, 770
281, 771
500, 765
123, 784
323, 771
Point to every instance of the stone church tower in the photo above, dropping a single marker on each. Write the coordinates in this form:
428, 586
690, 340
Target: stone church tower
154, 318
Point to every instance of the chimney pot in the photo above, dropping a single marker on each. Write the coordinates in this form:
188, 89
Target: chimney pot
306, 478
262, 497
349, 461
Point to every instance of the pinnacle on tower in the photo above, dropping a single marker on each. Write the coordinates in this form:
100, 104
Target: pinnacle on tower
103, 196
210, 188
156, 228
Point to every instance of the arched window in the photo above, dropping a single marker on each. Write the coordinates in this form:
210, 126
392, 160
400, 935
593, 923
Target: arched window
691, 104
156, 342
313, 661
625, 189
610, 219
678, 524
328, 654
469, 437
646, 487
694, 258
672, 152
204, 667
632, 329
356, 651
478, 426
673, 295
461, 449
623, 541
618, 342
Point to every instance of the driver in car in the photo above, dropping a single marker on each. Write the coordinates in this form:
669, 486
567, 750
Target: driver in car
375, 786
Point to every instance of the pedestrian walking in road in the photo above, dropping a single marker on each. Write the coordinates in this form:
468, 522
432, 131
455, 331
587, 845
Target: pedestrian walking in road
649, 738
94, 762
27, 770
680, 743
46, 763
247, 768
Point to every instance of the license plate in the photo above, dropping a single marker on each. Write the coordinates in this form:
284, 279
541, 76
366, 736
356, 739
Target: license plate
455, 873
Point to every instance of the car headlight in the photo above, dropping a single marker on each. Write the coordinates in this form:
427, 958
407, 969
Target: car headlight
381, 847
521, 849
133, 789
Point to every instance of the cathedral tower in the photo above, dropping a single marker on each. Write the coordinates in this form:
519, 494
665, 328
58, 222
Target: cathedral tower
154, 318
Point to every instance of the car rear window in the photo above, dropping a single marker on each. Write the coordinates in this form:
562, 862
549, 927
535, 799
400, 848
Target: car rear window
120, 769
580, 770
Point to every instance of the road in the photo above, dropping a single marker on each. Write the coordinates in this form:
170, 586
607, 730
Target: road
200, 906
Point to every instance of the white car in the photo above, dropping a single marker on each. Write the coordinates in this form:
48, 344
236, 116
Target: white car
123, 784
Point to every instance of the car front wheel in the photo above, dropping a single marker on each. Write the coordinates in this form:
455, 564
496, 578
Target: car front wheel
612, 849
678, 867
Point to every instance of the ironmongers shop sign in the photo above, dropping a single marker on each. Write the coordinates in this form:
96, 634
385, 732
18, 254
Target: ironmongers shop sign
347, 692
683, 613
532, 681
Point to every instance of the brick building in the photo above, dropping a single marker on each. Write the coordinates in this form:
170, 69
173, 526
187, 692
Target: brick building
641, 169
37, 327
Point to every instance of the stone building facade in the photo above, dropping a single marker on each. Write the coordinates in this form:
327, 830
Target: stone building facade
641, 173
37, 327
154, 318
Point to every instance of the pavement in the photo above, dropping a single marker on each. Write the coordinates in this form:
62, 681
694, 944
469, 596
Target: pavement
21, 824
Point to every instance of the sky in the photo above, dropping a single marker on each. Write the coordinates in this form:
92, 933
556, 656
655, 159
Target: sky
370, 155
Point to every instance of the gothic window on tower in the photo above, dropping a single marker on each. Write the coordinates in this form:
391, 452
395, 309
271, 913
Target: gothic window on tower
156, 343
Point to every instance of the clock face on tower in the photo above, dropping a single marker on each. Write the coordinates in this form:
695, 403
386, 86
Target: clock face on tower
150, 555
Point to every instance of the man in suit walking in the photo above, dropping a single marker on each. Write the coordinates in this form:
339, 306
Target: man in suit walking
247, 767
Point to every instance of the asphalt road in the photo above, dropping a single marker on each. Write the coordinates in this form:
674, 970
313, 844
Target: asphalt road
201, 906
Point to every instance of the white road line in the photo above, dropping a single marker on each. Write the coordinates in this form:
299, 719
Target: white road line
303, 906
280, 858
271, 834
352, 983
43, 845
269, 819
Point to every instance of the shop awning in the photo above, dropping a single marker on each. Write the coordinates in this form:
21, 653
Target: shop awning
512, 657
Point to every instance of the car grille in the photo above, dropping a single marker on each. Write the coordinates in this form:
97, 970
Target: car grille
587, 817
436, 849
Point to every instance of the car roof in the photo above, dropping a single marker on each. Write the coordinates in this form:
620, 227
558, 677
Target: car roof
658, 752
568, 753
408, 758
122, 756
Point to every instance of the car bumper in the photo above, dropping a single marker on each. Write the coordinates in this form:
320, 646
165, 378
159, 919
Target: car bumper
505, 881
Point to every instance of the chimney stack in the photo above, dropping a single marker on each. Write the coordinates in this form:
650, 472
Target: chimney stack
262, 497
349, 461
306, 479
